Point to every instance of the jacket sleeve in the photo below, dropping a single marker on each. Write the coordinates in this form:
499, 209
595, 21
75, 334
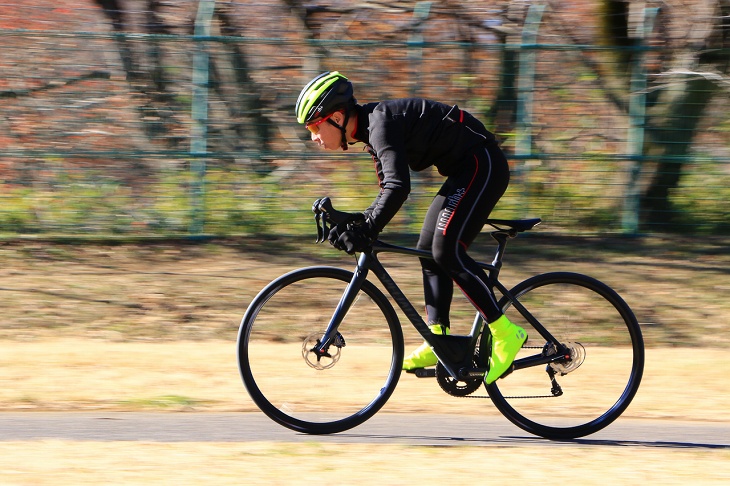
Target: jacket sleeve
387, 140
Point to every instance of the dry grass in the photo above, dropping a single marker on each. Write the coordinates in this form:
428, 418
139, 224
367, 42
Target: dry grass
74, 374
57, 462
153, 328
77, 374
169, 292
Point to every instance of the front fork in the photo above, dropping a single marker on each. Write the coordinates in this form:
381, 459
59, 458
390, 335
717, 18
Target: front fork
331, 334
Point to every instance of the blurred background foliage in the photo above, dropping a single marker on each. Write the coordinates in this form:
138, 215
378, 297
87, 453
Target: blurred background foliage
141, 118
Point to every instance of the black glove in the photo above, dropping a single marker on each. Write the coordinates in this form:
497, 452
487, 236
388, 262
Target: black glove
352, 236
352, 241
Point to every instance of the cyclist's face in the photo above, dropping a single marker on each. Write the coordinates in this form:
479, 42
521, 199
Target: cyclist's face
325, 134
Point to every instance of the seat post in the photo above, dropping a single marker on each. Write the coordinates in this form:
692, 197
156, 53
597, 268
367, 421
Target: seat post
501, 237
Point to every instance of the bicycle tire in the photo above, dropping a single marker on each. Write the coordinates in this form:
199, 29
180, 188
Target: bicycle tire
283, 321
575, 309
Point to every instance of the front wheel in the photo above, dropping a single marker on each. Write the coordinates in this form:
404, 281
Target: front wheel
601, 365
293, 385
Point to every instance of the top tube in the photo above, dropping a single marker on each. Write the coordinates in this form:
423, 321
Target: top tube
509, 227
382, 247
324, 212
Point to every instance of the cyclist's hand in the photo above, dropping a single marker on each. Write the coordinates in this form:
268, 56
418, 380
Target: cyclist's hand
353, 219
352, 241
352, 236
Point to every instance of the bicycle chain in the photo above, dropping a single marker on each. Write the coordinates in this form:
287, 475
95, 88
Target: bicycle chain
525, 396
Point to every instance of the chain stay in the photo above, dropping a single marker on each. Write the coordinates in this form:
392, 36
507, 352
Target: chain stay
555, 388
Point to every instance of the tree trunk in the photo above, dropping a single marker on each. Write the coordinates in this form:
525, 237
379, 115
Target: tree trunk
252, 106
157, 107
674, 140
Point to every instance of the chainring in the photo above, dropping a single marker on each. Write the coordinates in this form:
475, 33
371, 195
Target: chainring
454, 387
463, 388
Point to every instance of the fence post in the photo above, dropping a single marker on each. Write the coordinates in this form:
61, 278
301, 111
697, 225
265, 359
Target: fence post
525, 88
637, 119
199, 113
421, 12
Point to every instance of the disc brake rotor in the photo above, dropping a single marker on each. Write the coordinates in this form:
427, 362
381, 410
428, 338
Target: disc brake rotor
577, 356
331, 353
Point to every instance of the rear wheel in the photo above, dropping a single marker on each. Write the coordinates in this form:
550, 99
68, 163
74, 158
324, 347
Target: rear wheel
289, 382
601, 371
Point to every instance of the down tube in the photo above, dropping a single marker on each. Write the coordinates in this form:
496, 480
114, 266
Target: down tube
395, 292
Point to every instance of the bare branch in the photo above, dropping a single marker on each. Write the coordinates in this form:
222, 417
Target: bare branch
18, 93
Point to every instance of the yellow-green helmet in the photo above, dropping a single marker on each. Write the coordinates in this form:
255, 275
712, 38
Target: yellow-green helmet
323, 95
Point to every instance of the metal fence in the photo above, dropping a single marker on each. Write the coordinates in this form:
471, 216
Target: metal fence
190, 130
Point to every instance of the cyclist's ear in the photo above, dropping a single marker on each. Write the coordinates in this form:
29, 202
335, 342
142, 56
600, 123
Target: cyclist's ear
338, 117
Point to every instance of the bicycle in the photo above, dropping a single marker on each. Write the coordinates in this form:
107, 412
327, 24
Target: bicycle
331, 362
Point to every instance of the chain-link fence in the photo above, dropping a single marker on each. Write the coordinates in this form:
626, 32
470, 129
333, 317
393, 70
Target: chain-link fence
152, 118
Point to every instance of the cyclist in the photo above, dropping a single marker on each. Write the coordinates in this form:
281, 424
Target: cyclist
414, 134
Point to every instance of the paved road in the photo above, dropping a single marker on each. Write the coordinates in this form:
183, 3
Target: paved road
383, 428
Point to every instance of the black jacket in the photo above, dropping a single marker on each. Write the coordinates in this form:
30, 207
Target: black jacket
413, 134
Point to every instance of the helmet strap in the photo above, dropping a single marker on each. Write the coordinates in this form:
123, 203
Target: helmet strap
343, 129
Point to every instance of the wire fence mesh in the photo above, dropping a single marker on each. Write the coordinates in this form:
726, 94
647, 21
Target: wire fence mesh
106, 128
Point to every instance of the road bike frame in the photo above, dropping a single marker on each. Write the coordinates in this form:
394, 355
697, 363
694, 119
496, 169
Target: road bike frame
455, 352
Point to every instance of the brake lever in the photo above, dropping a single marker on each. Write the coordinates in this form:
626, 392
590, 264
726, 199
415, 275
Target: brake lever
325, 225
320, 230
324, 212
320, 218
317, 220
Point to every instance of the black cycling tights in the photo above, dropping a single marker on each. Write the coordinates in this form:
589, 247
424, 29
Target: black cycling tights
454, 219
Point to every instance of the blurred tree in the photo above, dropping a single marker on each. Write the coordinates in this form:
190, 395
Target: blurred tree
689, 81
246, 108
243, 122
503, 22
158, 107
686, 77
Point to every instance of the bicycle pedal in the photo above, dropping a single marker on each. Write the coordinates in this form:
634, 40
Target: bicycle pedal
423, 372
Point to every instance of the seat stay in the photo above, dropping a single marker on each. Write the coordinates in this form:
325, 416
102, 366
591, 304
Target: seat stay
534, 322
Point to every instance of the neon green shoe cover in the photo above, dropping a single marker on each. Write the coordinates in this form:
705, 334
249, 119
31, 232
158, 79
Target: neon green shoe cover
507, 339
423, 355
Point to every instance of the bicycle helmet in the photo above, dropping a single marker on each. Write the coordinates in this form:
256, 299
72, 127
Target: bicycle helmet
327, 93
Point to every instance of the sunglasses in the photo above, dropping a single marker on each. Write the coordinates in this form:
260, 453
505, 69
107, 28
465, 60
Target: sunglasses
314, 126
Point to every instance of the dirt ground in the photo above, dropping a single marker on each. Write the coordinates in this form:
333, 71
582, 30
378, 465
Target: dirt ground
166, 291
195, 376
199, 376
72, 311
152, 327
